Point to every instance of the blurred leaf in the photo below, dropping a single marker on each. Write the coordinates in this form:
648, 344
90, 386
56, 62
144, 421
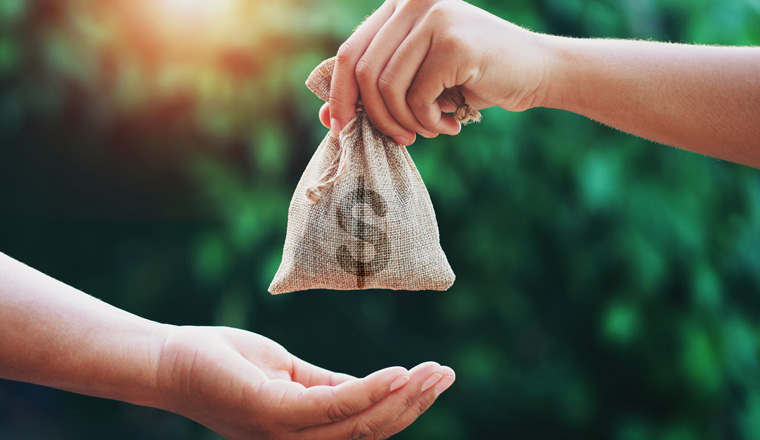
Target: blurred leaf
699, 360
621, 323
212, 260
11, 10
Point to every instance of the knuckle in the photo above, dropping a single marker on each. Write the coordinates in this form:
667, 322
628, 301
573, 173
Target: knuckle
367, 430
337, 412
423, 404
336, 102
333, 414
360, 431
342, 105
421, 111
396, 104
364, 72
409, 401
449, 42
386, 84
416, 103
418, 5
439, 12
345, 55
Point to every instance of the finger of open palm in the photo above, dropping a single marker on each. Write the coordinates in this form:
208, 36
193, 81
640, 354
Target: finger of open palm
310, 375
380, 420
300, 407
423, 402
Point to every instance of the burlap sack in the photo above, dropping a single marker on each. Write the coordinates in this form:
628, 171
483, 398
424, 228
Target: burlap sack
361, 217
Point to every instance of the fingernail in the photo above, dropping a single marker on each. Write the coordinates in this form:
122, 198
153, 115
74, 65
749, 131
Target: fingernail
403, 140
432, 380
399, 382
443, 385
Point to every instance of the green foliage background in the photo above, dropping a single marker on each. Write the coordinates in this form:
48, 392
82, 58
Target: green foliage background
607, 287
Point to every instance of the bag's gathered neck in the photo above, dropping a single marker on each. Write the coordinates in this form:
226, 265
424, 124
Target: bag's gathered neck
319, 82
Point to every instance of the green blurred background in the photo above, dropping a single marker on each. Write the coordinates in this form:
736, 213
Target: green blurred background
607, 287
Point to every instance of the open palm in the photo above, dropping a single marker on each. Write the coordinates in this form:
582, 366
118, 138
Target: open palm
244, 386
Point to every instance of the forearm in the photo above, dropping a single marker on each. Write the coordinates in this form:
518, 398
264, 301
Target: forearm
54, 335
704, 99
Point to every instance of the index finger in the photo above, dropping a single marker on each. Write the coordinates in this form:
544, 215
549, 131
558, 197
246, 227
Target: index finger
344, 89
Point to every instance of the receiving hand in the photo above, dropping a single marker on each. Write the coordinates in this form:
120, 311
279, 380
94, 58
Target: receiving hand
405, 54
245, 386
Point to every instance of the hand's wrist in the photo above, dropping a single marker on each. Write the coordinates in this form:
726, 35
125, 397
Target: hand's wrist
154, 396
558, 60
166, 396
581, 73
128, 370
525, 68
177, 378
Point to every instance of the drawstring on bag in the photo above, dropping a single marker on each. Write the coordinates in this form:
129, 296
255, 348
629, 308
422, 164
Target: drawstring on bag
338, 166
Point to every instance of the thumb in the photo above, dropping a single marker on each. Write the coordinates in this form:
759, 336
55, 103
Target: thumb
324, 115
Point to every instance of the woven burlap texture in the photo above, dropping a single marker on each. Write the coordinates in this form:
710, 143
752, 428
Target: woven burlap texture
360, 217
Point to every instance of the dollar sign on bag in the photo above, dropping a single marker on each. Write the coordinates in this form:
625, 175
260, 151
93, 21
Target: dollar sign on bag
365, 232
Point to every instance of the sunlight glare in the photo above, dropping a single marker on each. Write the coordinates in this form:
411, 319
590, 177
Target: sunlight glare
206, 9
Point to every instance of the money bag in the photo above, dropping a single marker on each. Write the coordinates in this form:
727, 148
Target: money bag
361, 217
